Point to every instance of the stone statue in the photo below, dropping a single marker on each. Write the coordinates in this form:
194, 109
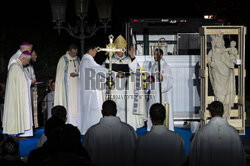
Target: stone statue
221, 63
232, 51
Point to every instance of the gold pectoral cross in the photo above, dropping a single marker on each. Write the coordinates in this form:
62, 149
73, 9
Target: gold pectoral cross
75, 67
110, 49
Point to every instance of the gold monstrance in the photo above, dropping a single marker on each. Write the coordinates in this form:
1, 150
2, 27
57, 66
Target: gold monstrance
110, 49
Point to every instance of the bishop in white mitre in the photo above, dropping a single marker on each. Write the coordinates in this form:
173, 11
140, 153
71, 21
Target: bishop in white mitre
17, 118
67, 85
128, 92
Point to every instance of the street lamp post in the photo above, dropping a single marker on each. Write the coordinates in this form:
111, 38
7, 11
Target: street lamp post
81, 31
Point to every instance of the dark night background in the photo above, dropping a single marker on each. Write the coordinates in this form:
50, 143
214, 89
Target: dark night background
31, 20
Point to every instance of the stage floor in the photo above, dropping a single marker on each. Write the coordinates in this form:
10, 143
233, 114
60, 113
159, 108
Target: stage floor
31, 143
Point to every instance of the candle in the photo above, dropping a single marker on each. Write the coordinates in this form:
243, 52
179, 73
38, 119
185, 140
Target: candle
167, 115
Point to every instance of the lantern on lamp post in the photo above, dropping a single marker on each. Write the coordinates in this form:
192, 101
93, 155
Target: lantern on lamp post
81, 7
58, 8
104, 9
81, 31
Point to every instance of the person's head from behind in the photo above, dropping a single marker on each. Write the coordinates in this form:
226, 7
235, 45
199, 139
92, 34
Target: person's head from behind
70, 138
59, 112
10, 146
53, 128
156, 54
216, 109
72, 50
109, 108
157, 114
25, 58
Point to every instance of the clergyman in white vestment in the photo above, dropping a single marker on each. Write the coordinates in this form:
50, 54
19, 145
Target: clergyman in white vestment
67, 85
217, 143
92, 77
25, 46
110, 142
167, 81
17, 118
29, 69
128, 90
160, 146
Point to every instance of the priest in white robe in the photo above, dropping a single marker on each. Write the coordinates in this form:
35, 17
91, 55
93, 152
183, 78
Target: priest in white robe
92, 96
67, 85
167, 81
217, 143
25, 46
160, 146
29, 69
17, 118
128, 90
110, 142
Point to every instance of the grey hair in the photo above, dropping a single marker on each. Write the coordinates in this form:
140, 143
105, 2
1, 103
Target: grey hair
26, 46
25, 56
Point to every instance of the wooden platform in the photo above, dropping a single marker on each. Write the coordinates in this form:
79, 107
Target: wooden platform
238, 114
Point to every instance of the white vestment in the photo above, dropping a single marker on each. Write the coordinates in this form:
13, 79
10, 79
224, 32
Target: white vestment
111, 142
30, 72
49, 103
124, 94
67, 87
91, 92
17, 118
166, 89
217, 143
160, 146
15, 56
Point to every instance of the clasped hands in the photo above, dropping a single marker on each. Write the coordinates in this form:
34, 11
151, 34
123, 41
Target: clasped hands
152, 78
73, 74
